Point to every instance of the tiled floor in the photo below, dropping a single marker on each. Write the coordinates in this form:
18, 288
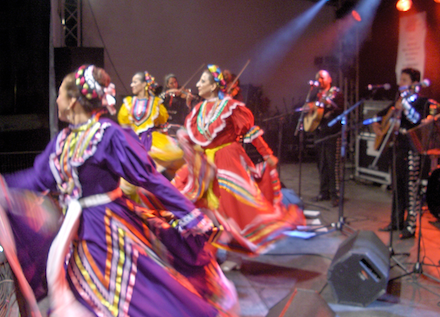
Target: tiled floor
303, 264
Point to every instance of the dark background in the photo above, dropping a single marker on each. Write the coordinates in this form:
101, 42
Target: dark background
24, 76
24, 64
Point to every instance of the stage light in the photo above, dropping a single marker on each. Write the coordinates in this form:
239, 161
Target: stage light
437, 1
346, 8
356, 15
403, 5
349, 8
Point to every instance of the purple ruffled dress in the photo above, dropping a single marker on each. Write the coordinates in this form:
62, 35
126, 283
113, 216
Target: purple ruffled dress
127, 260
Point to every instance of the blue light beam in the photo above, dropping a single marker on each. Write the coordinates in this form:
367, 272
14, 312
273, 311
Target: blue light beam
352, 29
271, 52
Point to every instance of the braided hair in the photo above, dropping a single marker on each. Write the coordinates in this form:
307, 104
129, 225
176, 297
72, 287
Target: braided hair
92, 87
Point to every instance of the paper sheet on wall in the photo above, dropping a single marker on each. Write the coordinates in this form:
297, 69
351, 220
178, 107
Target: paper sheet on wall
411, 48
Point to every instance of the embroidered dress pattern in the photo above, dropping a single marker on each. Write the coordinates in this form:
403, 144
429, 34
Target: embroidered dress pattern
72, 150
112, 289
141, 110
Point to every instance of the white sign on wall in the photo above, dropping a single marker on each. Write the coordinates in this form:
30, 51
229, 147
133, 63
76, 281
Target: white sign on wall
411, 49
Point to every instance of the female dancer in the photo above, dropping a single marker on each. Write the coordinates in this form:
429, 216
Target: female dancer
144, 112
112, 257
246, 199
147, 116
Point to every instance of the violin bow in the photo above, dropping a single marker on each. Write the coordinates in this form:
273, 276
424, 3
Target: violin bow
238, 76
186, 83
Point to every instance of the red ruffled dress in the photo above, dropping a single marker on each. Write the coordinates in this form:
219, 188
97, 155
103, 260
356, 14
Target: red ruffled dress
245, 199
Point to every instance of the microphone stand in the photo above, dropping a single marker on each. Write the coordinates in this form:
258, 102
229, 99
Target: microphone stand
343, 118
280, 136
394, 206
341, 222
300, 128
417, 269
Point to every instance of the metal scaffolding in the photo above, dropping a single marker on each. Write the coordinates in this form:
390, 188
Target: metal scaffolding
71, 18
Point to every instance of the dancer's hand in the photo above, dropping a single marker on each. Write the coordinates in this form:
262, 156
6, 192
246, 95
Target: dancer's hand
272, 160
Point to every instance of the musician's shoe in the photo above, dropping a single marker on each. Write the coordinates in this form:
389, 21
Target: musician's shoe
406, 234
322, 197
390, 227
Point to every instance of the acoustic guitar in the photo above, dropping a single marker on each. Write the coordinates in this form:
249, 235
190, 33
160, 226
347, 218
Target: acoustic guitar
314, 113
315, 110
387, 121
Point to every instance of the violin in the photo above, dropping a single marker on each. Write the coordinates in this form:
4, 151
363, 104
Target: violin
181, 93
233, 88
173, 92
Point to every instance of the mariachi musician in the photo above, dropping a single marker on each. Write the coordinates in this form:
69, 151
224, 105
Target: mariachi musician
174, 98
325, 105
402, 115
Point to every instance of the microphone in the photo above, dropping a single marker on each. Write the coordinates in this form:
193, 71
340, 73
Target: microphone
371, 120
313, 83
384, 86
424, 83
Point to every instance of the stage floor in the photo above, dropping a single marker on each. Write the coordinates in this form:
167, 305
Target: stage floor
303, 264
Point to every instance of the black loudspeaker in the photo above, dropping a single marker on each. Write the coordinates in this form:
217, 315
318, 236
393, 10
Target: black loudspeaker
359, 272
301, 303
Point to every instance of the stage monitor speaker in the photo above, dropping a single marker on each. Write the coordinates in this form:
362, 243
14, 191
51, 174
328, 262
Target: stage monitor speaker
301, 303
359, 272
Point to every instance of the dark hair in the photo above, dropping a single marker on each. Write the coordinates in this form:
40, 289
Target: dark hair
73, 91
211, 78
168, 77
413, 73
141, 75
152, 86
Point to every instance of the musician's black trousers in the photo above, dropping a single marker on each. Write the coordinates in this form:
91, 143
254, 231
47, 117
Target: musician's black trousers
328, 155
407, 171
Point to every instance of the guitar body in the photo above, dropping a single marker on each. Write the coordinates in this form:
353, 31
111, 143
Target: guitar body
385, 126
313, 117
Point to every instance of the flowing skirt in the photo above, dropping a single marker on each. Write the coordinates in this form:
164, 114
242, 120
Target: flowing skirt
126, 260
145, 268
166, 153
244, 198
